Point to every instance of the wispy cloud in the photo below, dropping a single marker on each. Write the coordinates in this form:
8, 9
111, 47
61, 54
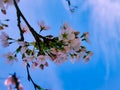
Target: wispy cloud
105, 29
104, 25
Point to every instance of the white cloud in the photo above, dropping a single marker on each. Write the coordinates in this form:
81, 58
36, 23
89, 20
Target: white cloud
105, 28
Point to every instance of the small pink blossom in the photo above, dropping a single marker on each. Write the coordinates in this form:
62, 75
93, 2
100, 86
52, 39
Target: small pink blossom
5, 43
65, 26
10, 57
5, 3
86, 36
35, 64
24, 46
23, 50
41, 59
28, 58
4, 39
24, 28
4, 36
9, 81
75, 44
2, 6
60, 57
87, 57
43, 26
66, 49
67, 34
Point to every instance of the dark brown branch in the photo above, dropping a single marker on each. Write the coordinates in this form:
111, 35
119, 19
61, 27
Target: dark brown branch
30, 79
16, 81
34, 33
19, 26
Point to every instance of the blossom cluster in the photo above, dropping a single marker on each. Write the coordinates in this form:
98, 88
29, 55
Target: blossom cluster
67, 46
13, 82
5, 3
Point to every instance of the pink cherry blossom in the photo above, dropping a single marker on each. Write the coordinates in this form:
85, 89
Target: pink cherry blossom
86, 36
35, 64
10, 58
43, 26
24, 28
41, 59
5, 3
28, 58
4, 36
59, 57
75, 44
9, 81
67, 34
23, 45
87, 57
2, 6
4, 39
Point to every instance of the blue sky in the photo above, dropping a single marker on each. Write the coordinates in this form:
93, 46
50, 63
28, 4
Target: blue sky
101, 18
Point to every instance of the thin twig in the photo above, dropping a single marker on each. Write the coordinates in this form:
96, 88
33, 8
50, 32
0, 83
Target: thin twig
16, 81
30, 78
19, 26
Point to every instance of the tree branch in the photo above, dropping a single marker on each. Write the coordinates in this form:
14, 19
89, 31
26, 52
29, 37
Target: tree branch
30, 79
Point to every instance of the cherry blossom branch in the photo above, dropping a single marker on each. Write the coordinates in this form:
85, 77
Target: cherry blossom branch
34, 33
30, 79
37, 36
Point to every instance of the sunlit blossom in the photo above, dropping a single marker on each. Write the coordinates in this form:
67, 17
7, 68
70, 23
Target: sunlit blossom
10, 82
